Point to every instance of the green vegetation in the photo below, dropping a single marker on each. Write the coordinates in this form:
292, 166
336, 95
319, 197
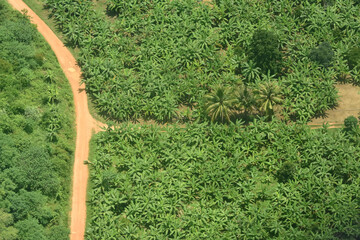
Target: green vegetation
265, 51
350, 122
225, 103
263, 181
220, 104
218, 177
36, 134
268, 95
150, 59
353, 57
323, 54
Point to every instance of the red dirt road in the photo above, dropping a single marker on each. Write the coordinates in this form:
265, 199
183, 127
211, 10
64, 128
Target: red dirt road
84, 122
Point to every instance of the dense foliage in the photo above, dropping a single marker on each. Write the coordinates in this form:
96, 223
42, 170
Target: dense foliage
151, 58
269, 180
353, 57
323, 54
264, 181
265, 51
36, 134
350, 122
225, 103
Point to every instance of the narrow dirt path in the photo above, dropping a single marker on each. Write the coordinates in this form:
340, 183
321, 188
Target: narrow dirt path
85, 124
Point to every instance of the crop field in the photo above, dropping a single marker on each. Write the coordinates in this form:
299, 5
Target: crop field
36, 134
158, 59
223, 90
265, 181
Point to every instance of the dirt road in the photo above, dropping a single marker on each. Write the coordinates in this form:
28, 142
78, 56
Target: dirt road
84, 122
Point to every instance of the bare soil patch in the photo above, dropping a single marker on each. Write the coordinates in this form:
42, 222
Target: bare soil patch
349, 104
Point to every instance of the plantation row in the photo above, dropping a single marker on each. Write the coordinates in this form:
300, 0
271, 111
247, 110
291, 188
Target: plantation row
36, 134
263, 181
158, 59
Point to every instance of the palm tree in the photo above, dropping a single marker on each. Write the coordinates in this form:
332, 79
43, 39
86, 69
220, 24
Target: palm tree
268, 95
220, 104
245, 99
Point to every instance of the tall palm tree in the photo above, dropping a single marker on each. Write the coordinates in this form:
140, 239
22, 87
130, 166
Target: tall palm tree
220, 104
268, 94
245, 99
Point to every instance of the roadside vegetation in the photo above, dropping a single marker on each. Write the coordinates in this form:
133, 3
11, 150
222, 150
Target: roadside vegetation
36, 134
236, 82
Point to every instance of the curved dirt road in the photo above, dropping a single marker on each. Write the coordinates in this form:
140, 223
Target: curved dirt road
84, 122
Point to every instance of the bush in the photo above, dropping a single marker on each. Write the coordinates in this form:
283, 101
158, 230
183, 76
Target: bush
265, 51
326, 3
5, 66
30, 229
353, 57
58, 233
286, 172
323, 54
350, 122
28, 204
34, 170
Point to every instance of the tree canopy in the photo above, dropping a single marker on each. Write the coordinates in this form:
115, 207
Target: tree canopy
35, 158
265, 51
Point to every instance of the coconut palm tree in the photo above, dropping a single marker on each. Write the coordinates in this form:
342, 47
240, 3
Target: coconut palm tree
220, 104
268, 94
245, 99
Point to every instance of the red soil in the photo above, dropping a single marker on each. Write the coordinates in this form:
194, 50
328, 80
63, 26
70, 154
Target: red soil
85, 124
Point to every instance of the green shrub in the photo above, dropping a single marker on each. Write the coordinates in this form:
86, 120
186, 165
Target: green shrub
7, 232
350, 122
39, 58
5, 66
265, 51
323, 54
353, 57
30, 229
326, 3
286, 172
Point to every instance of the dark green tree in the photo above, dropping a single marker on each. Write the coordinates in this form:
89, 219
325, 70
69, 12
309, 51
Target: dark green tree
25, 204
58, 233
265, 51
350, 123
34, 170
323, 54
30, 229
